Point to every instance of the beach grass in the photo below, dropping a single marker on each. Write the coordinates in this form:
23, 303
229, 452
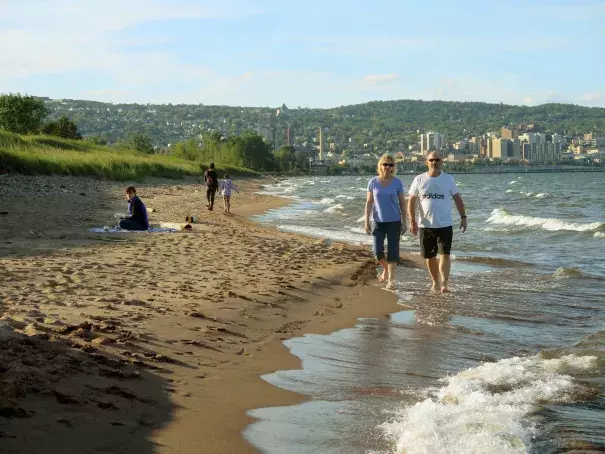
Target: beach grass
47, 155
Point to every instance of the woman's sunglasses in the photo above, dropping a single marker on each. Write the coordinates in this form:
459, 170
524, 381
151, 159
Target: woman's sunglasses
388, 164
435, 160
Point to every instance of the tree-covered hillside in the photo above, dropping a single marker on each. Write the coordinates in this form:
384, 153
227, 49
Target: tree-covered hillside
387, 125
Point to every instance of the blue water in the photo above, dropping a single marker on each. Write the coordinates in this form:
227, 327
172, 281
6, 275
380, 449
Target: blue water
512, 361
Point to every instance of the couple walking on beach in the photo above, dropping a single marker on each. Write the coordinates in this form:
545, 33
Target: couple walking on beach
385, 218
226, 187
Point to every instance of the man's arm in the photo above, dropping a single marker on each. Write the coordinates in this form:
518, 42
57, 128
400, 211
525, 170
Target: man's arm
369, 204
412, 213
460, 206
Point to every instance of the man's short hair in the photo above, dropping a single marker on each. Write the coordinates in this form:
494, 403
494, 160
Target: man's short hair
212, 165
130, 189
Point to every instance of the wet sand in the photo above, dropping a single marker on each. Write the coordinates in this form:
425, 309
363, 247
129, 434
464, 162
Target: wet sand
156, 342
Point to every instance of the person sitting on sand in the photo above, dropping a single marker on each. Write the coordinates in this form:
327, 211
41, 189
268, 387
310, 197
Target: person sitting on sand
435, 190
137, 213
226, 187
211, 179
386, 203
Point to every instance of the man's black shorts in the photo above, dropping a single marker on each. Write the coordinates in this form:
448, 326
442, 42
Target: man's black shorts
433, 241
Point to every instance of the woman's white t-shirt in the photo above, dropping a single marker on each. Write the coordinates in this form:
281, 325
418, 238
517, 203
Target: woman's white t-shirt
435, 194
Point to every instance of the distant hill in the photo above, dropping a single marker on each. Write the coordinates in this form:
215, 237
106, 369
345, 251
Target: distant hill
386, 125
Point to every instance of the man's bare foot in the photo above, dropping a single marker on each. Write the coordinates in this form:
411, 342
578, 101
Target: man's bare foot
390, 285
435, 287
382, 277
444, 289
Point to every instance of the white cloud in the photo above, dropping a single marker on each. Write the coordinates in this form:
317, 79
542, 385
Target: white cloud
110, 15
380, 79
63, 36
592, 97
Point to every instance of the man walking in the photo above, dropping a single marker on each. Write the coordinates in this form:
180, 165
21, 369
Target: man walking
435, 189
211, 179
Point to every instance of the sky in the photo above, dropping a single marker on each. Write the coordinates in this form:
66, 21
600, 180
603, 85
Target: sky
311, 53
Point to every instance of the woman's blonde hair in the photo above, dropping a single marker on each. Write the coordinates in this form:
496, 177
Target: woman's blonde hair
386, 158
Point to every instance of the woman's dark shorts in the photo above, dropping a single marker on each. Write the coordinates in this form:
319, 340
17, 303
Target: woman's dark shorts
433, 241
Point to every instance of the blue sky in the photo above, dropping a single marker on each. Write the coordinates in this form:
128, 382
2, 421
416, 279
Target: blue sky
312, 53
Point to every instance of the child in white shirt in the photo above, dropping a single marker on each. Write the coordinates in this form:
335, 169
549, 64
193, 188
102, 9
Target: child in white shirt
226, 187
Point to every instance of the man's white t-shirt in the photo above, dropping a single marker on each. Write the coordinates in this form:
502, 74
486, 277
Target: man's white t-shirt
435, 194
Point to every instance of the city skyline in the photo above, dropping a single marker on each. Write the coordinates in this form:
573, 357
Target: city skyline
316, 54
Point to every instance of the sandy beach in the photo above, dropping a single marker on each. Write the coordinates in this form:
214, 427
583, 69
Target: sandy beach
156, 342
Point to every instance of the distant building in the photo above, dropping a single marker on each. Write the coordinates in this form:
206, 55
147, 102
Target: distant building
461, 145
528, 137
509, 133
558, 138
541, 137
456, 157
543, 152
499, 148
431, 141
478, 145
515, 145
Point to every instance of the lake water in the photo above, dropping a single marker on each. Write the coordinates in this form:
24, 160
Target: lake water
512, 361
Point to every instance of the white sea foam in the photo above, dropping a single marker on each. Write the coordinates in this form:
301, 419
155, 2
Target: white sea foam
357, 230
361, 219
338, 235
327, 201
513, 182
484, 409
541, 195
508, 191
341, 196
334, 208
599, 235
500, 216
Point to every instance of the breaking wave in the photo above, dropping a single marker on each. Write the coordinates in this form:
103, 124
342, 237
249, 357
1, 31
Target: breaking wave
500, 216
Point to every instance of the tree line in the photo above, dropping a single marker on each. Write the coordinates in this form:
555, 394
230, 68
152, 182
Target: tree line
22, 114
382, 125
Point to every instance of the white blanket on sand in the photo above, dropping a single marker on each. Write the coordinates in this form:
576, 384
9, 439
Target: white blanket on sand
162, 227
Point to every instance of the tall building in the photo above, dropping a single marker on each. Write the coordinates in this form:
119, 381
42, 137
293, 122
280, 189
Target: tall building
529, 151
499, 148
289, 137
541, 137
542, 152
515, 146
321, 144
439, 141
431, 141
529, 137
509, 133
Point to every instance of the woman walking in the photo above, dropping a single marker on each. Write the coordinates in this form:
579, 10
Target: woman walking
386, 204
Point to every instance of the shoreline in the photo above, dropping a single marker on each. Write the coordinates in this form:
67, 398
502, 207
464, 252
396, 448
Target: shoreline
198, 337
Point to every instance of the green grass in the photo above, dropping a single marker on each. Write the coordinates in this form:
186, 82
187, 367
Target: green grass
46, 155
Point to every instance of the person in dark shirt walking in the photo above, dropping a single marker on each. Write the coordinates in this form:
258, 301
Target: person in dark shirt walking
137, 213
211, 179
